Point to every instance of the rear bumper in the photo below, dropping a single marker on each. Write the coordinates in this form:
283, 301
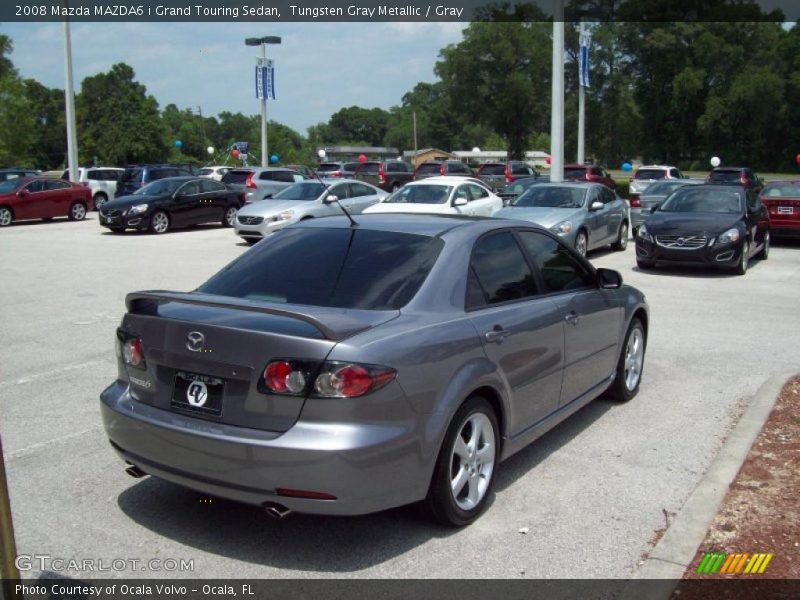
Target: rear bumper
778, 229
367, 468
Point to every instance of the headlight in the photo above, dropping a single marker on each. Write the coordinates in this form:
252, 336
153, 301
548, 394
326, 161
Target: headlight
284, 216
644, 234
562, 228
137, 209
732, 235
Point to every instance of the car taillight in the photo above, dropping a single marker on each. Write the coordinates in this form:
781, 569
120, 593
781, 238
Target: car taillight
442, 169
743, 180
249, 183
129, 349
381, 174
335, 174
507, 173
635, 201
326, 380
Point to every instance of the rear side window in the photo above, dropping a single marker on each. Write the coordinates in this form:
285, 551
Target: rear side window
236, 176
493, 170
351, 167
650, 174
500, 271
560, 270
329, 167
285, 176
211, 186
370, 168
429, 168
341, 268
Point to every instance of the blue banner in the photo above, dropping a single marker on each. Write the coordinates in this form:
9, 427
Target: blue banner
584, 64
265, 80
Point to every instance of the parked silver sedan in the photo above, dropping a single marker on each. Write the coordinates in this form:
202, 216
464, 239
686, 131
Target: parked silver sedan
341, 370
304, 200
585, 215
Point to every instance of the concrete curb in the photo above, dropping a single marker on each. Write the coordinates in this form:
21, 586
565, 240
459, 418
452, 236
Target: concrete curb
677, 549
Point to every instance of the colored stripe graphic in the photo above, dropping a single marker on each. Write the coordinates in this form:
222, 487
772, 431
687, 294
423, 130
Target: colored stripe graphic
701, 568
734, 564
765, 563
717, 563
729, 562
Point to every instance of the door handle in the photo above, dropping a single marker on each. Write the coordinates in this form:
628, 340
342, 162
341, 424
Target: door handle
572, 318
496, 335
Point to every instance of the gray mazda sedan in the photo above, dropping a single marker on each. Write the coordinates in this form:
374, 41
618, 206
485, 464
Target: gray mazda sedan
344, 369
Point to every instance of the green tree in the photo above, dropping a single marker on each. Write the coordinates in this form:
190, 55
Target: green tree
356, 125
118, 121
48, 133
499, 76
16, 113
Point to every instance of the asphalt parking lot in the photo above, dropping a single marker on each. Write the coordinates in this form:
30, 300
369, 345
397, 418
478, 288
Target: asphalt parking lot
592, 492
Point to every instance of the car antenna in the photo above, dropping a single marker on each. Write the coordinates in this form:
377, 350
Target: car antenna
325, 196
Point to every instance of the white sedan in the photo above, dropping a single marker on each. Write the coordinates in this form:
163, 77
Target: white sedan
441, 195
304, 200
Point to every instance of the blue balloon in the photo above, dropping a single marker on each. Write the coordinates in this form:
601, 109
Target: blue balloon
273, 159
626, 166
178, 144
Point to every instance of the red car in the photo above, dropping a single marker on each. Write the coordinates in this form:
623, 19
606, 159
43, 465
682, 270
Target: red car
591, 173
42, 198
782, 199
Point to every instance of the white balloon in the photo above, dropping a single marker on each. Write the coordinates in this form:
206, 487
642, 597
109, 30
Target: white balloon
476, 149
321, 153
715, 161
210, 149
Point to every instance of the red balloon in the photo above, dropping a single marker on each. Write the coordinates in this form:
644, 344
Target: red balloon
797, 158
362, 158
235, 153
548, 160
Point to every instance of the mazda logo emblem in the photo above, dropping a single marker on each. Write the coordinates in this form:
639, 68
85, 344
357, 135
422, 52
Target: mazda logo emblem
195, 341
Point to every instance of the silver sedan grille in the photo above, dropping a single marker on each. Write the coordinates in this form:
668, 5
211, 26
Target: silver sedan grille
682, 242
246, 220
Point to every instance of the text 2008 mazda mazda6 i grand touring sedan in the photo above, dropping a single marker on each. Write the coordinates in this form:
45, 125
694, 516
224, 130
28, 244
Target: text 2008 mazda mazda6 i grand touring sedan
346, 369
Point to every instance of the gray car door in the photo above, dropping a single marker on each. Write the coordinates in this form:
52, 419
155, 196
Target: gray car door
522, 332
361, 196
591, 317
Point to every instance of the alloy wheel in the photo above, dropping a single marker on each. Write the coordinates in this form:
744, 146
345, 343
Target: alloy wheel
472, 461
230, 216
160, 222
5, 217
580, 243
78, 211
634, 358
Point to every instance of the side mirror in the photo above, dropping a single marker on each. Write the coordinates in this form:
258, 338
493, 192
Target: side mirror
596, 205
330, 198
609, 279
655, 206
460, 202
22, 193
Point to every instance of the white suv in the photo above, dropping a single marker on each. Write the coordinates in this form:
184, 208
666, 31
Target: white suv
647, 174
101, 180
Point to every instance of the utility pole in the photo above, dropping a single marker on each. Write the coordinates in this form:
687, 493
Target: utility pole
69, 102
414, 113
263, 91
557, 100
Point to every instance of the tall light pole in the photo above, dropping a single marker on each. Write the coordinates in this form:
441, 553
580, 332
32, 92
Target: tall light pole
263, 41
557, 97
69, 102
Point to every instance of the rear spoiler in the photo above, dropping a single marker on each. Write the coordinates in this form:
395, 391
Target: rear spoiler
335, 324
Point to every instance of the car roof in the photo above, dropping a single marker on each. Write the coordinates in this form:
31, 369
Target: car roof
572, 184
657, 167
722, 188
445, 180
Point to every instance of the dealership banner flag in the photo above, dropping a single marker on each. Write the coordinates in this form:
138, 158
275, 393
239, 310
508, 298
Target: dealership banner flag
583, 56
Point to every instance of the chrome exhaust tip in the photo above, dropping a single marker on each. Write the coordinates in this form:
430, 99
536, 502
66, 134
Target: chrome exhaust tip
135, 472
275, 510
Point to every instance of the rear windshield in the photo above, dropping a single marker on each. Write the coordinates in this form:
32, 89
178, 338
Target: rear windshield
663, 188
697, 199
575, 173
370, 168
782, 190
351, 166
724, 176
328, 167
340, 268
493, 170
236, 176
650, 174
426, 168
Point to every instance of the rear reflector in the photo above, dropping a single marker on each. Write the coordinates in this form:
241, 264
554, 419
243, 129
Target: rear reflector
304, 494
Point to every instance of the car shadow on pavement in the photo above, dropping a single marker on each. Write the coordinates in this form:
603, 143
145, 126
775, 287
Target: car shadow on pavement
316, 543
169, 232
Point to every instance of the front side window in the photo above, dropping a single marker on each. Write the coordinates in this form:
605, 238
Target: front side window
56, 184
211, 186
560, 270
35, 186
551, 197
500, 271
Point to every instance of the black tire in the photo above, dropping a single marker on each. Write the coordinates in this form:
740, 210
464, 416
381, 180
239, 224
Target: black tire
764, 253
644, 265
99, 199
623, 388
581, 243
744, 260
440, 503
622, 238
157, 224
6, 216
77, 211
250, 241
229, 219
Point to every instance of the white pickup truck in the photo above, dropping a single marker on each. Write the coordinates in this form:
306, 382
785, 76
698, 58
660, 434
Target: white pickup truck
101, 180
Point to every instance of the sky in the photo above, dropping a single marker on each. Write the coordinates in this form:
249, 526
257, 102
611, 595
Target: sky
320, 67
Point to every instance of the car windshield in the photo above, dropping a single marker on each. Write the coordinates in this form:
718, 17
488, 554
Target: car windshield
340, 268
159, 187
307, 190
574, 173
663, 188
699, 200
551, 197
650, 174
10, 185
732, 176
421, 194
782, 190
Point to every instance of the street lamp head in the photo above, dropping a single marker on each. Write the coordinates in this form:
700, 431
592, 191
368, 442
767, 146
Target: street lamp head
269, 39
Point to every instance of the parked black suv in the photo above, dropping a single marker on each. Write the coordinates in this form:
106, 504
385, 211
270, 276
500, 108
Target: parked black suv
434, 168
736, 176
137, 176
389, 175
